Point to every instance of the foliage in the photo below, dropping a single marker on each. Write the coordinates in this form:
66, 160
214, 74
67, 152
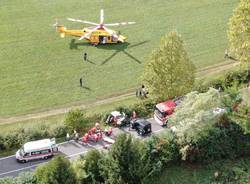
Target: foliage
57, 171
22, 178
227, 80
241, 115
142, 109
235, 173
17, 138
91, 167
126, 162
78, 167
169, 72
204, 136
218, 172
239, 31
195, 110
162, 149
75, 119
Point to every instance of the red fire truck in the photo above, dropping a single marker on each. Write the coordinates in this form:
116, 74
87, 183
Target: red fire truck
163, 110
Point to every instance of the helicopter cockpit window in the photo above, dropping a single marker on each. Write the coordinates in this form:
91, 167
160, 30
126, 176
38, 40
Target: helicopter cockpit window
114, 38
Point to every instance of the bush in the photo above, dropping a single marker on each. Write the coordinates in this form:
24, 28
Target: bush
22, 178
13, 140
126, 162
162, 149
143, 109
204, 136
227, 80
76, 120
57, 171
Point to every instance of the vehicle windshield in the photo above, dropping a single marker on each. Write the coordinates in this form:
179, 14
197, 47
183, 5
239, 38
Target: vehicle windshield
22, 151
159, 113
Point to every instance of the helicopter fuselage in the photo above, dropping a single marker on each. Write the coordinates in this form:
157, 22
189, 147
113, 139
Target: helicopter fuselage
99, 36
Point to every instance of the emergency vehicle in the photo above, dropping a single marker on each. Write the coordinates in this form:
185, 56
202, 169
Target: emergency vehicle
163, 110
41, 149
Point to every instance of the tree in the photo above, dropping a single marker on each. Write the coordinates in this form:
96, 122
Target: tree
169, 72
90, 167
22, 178
57, 171
239, 31
126, 163
75, 119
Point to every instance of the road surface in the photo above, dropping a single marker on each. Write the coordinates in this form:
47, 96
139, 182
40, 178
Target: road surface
71, 150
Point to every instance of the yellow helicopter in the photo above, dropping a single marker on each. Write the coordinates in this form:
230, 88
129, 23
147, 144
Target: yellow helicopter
99, 34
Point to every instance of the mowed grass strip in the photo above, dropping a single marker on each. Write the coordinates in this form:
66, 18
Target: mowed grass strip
41, 71
59, 119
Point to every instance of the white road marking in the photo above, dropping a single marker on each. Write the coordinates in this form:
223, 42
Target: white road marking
7, 157
21, 169
69, 156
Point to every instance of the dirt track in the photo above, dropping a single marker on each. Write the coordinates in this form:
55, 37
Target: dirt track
205, 71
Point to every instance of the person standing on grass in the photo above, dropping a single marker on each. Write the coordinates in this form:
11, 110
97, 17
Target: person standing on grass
85, 56
80, 82
226, 55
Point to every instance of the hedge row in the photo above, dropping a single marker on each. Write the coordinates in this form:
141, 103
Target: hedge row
15, 139
239, 77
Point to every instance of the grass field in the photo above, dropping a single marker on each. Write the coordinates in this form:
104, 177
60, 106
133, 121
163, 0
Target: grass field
41, 71
59, 119
205, 174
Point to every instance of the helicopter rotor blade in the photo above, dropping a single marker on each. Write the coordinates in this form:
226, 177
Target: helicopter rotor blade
87, 35
120, 24
101, 16
112, 33
82, 21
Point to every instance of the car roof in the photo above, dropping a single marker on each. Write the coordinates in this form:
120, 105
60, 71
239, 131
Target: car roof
115, 113
142, 122
37, 145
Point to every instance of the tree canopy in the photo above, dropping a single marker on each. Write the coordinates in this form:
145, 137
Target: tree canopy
57, 171
169, 72
239, 31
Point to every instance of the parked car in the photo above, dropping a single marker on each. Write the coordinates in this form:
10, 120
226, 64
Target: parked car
142, 126
117, 118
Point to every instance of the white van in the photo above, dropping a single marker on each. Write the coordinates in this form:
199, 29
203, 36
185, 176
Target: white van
41, 149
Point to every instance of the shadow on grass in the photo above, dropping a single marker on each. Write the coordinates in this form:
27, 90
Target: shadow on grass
120, 47
91, 62
87, 88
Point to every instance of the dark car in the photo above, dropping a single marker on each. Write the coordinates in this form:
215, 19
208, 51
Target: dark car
142, 126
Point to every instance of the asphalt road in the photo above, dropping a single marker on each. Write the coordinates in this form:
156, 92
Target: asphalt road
71, 150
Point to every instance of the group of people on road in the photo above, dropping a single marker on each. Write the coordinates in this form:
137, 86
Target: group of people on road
75, 136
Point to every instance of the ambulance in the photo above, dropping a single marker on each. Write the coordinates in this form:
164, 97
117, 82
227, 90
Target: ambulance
41, 149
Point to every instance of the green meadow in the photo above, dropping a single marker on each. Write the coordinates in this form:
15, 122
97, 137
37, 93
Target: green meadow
41, 71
